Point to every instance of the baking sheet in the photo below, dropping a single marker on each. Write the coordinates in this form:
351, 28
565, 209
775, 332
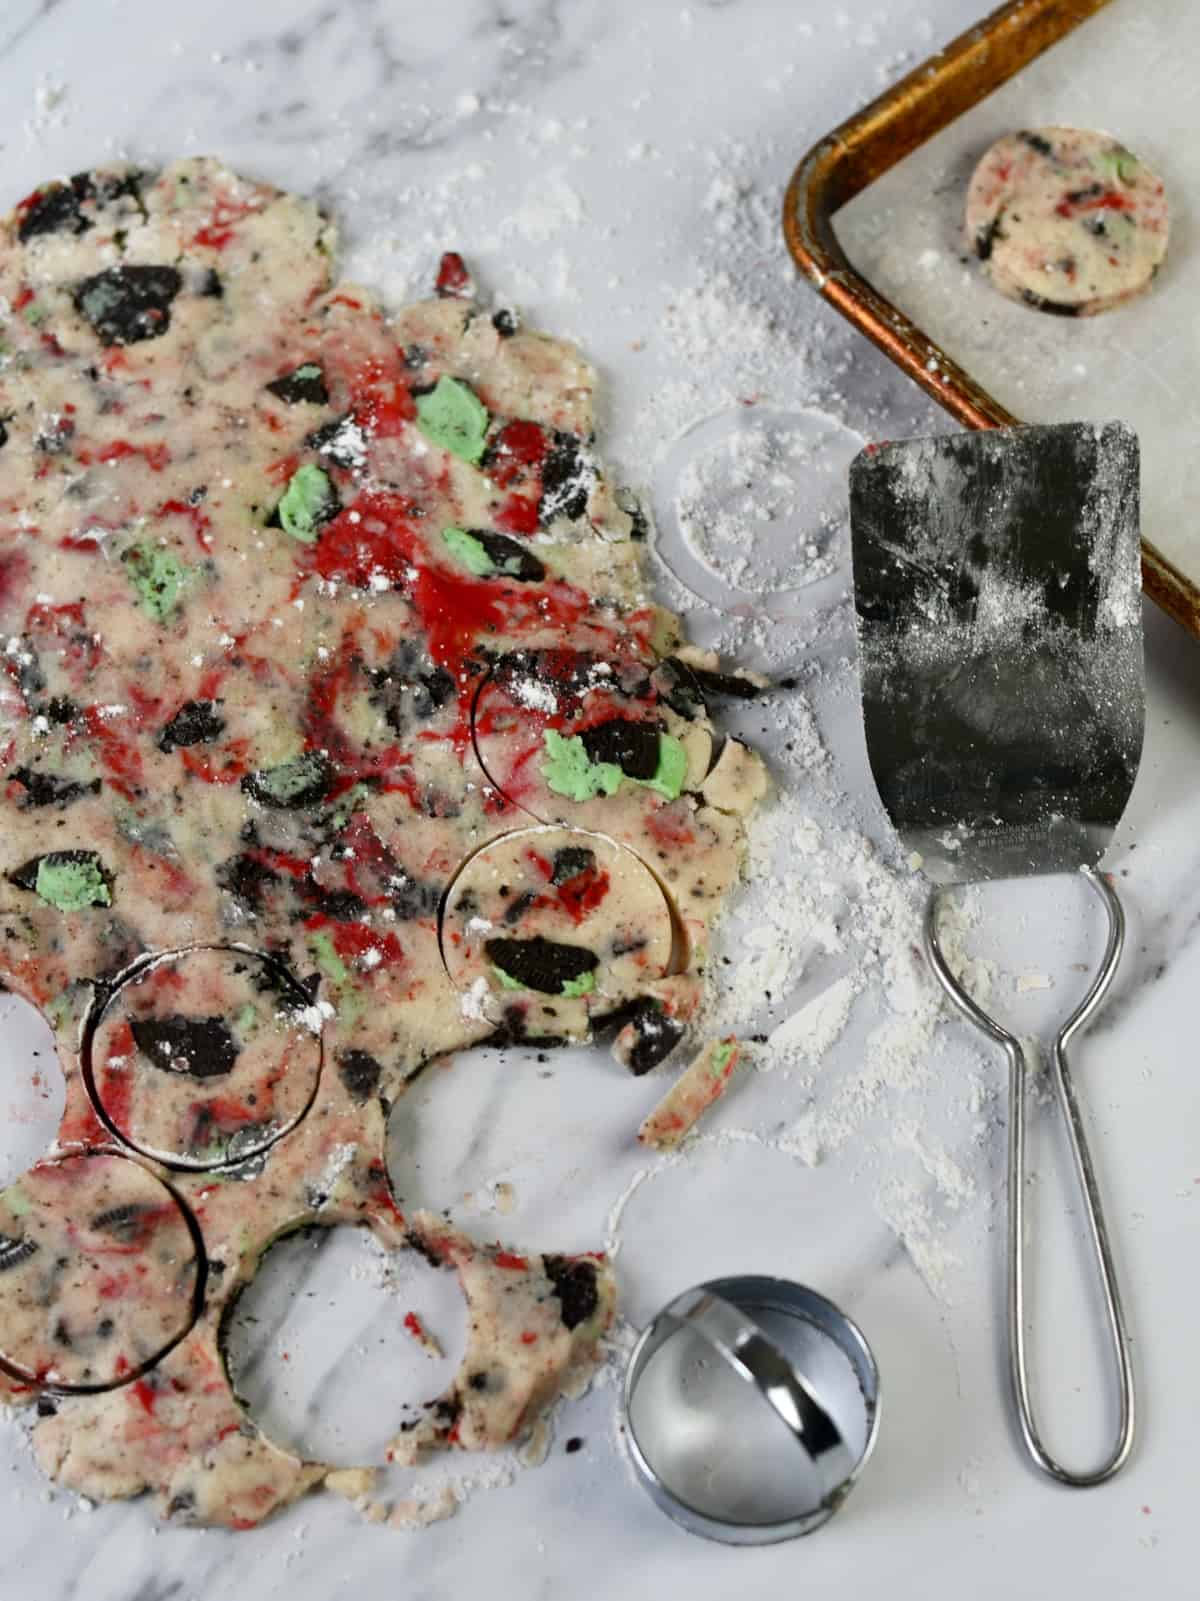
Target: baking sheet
1131, 71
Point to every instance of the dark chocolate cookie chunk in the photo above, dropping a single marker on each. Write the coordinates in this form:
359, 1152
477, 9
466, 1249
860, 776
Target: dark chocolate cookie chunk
567, 478
127, 304
574, 1281
14, 1252
304, 385
56, 208
569, 861
341, 440
629, 745
360, 1073
201, 1047
48, 789
510, 558
539, 963
655, 1033
197, 722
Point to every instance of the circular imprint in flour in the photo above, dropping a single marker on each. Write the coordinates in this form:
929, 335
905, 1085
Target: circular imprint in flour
99, 1272
600, 743
548, 927
204, 1057
750, 507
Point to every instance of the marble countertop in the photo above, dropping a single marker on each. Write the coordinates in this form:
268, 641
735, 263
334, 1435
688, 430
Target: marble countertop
616, 170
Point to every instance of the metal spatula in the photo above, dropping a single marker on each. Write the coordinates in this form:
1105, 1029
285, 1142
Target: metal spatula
996, 580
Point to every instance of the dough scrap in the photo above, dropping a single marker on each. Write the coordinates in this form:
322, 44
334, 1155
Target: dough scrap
703, 1081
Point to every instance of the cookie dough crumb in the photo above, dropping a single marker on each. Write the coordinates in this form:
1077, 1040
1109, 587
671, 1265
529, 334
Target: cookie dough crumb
428, 1342
351, 1482
536, 1448
414, 1513
738, 780
702, 1082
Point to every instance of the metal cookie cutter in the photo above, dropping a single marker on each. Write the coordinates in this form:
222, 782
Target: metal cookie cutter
765, 1442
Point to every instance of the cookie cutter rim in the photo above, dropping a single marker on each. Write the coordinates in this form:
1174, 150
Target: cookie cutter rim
106, 992
721, 1311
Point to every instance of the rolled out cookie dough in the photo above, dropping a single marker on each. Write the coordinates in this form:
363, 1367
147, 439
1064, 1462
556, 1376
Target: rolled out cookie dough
265, 547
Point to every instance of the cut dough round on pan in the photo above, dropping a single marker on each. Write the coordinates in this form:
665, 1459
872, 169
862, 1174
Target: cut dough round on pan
1066, 220
97, 1271
550, 926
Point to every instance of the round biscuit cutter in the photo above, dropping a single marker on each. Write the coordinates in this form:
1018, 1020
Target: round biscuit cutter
750, 1407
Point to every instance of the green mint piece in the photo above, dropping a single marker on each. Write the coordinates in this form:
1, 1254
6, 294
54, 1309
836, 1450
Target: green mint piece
59, 1010
722, 1057
453, 416
464, 547
1120, 164
158, 576
304, 781
16, 1201
35, 314
247, 1019
71, 885
570, 771
583, 985
327, 958
506, 979
348, 804
671, 770
351, 1004
308, 501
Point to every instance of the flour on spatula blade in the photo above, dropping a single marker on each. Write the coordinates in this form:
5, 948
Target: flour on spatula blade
996, 580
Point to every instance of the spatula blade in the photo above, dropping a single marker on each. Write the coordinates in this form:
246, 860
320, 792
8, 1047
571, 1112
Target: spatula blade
997, 592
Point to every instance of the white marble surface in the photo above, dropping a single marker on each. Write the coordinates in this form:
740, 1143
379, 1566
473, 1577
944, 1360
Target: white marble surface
603, 164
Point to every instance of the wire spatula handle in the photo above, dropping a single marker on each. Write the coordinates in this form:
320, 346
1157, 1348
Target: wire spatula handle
1097, 1230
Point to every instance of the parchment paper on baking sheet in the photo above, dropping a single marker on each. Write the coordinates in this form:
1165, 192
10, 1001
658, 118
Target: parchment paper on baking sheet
1130, 71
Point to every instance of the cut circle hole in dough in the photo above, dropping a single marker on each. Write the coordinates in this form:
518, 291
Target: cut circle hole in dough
101, 1271
204, 1057
337, 1342
33, 1093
